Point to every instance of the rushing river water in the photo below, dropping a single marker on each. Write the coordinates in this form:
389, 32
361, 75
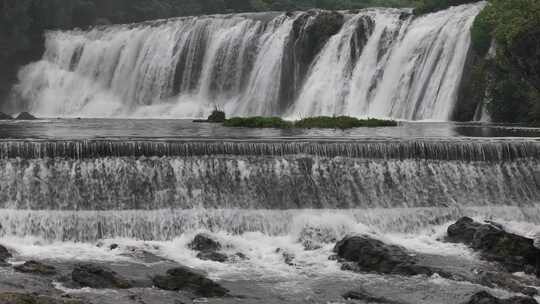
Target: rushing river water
69, 185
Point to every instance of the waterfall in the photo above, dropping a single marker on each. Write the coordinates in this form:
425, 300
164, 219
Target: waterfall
377, 62
152, 175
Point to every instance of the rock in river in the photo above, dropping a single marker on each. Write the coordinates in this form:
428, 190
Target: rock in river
486, 298
204, 242
4, 255
25, 116
23, 298
36, 268
371, 255
185, 278
516, 253
99, 277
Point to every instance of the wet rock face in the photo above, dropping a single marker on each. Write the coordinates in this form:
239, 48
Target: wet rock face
35, 267
364, 30
309, 35
99, 277
185, 278
217, 117
514, 252
209, 249
212, 256
204, 242
4, 255
363, 296
21, 298
486, 298
4, 116
370, 255
25, 116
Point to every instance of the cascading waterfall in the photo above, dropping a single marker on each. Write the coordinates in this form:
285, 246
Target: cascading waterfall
378, 62
157, 190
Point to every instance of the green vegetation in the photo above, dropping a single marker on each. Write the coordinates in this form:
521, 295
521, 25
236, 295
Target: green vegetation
511, 79
342, 122
322, 122
258, 122
429, 6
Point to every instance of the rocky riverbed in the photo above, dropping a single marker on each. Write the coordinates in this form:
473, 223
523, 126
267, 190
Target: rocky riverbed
360, 268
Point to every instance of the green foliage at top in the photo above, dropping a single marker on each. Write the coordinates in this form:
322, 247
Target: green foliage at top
429, 6
515, 27
510, 20
321, 122
481, 34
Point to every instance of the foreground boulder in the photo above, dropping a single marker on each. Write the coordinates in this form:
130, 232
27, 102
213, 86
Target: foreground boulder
371, 255
99, 277
35, 267
185, 278
21, 298
486, 298
514, 252
4, 116
25, 116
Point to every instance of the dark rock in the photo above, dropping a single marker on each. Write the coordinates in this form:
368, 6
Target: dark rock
506, 281
212, 256
21, 298
4, 116
4, 255
35, 268
311, 30
514, 252
371, 255
185, 278
288, 257
241, 256
113, 246
217, 116
25, 116
362, 295
99, 277
486, 298
204, 242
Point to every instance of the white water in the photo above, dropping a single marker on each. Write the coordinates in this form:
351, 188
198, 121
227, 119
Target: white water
383, 63
264, 262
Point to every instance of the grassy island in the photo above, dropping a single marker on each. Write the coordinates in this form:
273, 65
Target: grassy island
321, 122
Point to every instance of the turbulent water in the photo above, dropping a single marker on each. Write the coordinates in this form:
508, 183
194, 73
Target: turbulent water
377, 62
268, 197
154, 189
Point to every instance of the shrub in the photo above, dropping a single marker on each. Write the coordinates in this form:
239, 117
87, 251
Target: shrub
322, 122
341, 122
258, 122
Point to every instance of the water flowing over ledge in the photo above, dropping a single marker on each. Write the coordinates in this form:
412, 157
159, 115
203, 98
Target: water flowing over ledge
377, 62
261, 182
463, 150
159, 225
